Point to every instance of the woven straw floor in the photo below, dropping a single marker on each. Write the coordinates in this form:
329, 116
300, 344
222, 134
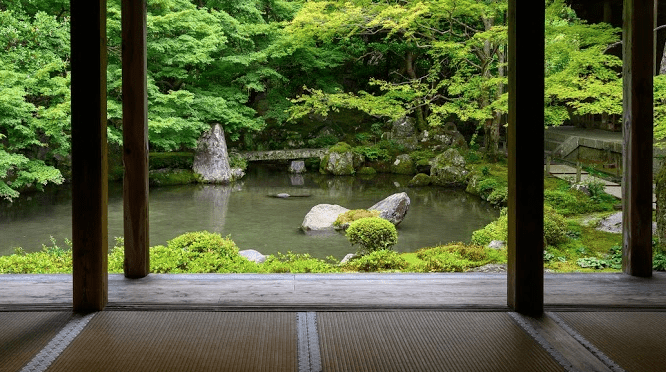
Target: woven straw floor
349, 341
24, 334
183, 341
635, 341
428, 341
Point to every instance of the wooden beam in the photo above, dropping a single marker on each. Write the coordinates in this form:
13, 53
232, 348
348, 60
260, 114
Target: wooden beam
638, 60
89, 155
526, 149
135, 138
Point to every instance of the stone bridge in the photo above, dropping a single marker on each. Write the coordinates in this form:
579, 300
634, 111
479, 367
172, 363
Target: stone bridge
290, 154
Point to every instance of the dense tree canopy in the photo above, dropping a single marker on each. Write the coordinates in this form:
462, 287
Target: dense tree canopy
269, 66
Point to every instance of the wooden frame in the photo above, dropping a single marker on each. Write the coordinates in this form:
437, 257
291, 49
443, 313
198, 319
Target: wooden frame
135, 139
525, 136
89, 156
525, 144
638, 56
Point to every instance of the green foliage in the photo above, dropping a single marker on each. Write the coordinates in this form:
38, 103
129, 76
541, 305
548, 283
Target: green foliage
353, 215
495, 230
581, 78
457, 257
171, 177
237, 161
555, 229
34, 99
323, 141
173, 160
340, 147
569, 202
298, 263
372, 233
204, 241
379, 260
373, 153
51, 259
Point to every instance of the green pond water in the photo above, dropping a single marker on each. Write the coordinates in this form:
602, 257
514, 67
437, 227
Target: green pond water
252, 218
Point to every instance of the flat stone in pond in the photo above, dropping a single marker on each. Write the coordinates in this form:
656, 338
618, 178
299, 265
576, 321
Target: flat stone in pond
253, 255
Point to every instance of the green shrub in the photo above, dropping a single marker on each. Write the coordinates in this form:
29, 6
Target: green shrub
496, 230
422, 157
499, 196
569, 202
170, 177
353, 215
457, 257
237, 161
298, 263
323, 141
554, 226
372, 233
340, 147
372, 153
204, 241
380, 260
172, 160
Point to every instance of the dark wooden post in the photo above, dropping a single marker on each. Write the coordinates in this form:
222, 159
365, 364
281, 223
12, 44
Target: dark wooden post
135, 139
89, 155
526, 150
638, 60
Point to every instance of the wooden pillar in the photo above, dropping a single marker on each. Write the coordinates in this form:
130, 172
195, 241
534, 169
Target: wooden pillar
89, 155
638, 62
526, 150
135, 138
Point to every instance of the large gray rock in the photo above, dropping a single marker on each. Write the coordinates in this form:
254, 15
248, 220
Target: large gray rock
297, 166
338, 163
449, 169
321, 217
403, 131
211, 159
394, 208
403, 128
253, 255
613, 224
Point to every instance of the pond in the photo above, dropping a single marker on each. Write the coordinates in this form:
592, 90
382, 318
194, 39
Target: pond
252, 218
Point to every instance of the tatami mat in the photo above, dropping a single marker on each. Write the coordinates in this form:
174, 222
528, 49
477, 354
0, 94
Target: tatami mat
24, 334
428, 341
184, 341
634, 340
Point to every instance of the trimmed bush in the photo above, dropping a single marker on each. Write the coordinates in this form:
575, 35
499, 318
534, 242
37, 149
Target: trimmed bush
554, 228
204, 241
372, 234
353, 215
381, 260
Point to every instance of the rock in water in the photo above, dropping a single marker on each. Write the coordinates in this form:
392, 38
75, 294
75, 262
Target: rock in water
449, 169
321, 217
211, 159
394, 208
252, 255
297, 166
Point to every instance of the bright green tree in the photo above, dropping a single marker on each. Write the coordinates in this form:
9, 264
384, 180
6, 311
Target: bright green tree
34, 100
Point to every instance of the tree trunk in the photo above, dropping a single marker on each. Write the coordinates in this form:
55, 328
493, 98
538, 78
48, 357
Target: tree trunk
662, 66
409, 66
491, 126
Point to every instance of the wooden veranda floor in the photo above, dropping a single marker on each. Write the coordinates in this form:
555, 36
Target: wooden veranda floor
334, 322
337, 291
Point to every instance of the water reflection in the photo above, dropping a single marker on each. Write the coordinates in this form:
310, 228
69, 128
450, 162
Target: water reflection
253, 218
